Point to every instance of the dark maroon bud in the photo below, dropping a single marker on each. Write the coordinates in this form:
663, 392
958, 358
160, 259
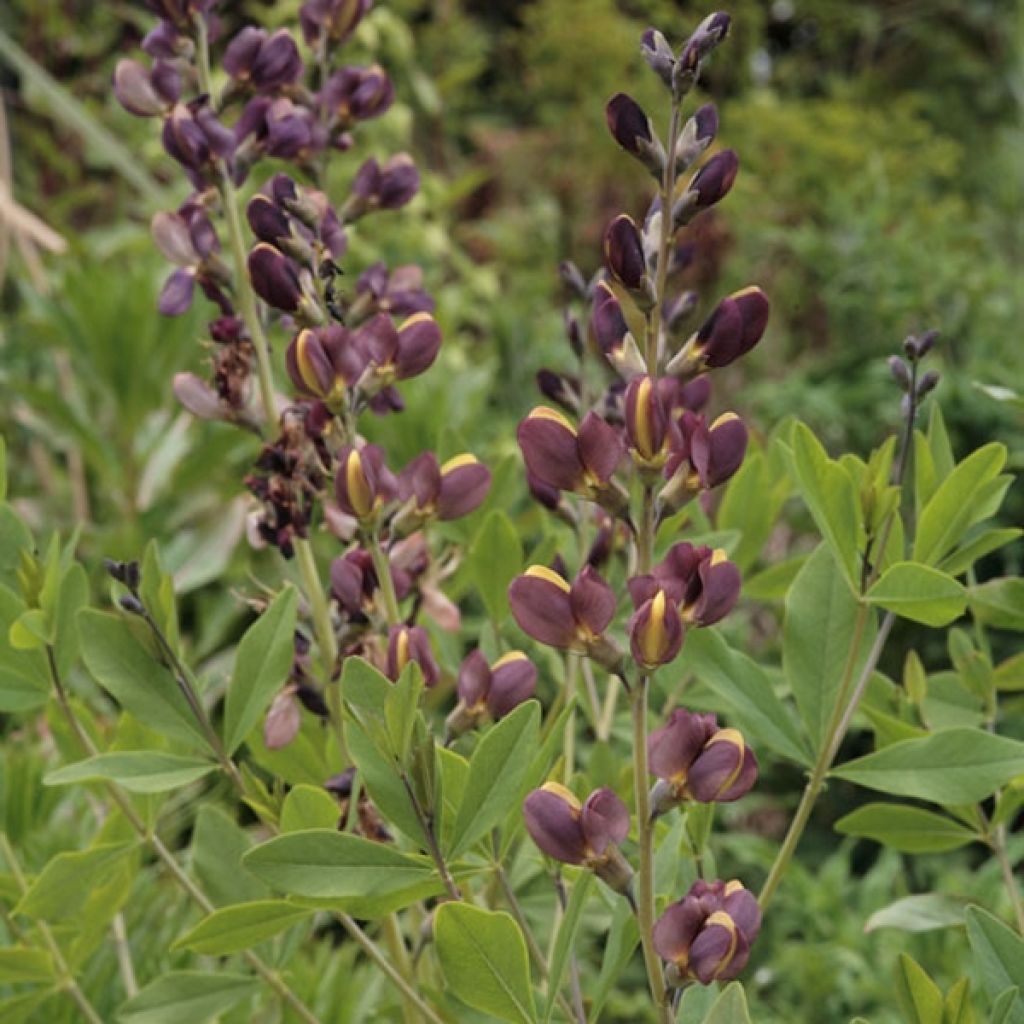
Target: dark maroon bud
411, 643
292, 130
200, 228
708, 186
268, 221
227, 329
632, 130
363, 484
655, 629
734, 327
716, 452
708, 34
242, 51
274, 278
277, 62
513, 681
573, 334
624, 253
656, 51
357, 94
165, 42
724, 770
900, 372
607, 322
706, 936
927, 383
647, 422
184, 139
176, 294
312, 700
399, 182
464, 484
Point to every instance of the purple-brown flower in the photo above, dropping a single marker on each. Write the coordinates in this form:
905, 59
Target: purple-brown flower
336, 19
734, 327
612, 334
587, 833
397, 353
583, 462
648, 419
274, 278
702, 456
702, 582
706, 936
708, 186
491, 690
357, 94
447, 491
363, 484
387, 186
568, 616
144, 92
411, 643
655, 629
323, 362
624, 256
696, 760
266, 62
354, 583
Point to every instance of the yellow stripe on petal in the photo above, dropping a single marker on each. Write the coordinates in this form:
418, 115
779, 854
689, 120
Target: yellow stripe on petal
458, 461
412, 321
358, 486
642, 416
751, 289
564, 793
542, 572
507, 659
542, 412
718, 556
726, 417
309, 377
735, 885
733, 736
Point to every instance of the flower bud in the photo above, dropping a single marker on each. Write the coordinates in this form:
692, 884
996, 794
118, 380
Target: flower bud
734, 327
337, 19
624, 255
916, 348
698, 133
647, 422
706, 936
708, 34
268, 221
383, 187
927, 383
274, 278
632, 130
659, 56
146, 93
398, 353
357, 94
708, 186
491, 690
323, 362
900, 372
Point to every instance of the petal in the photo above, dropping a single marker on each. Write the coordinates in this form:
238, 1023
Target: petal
542, 607
717, 767
676, 929
464, 485
419, 339
712, 951
513, 680
605, 820
550, 449
673, 748
176, 295
554, 826
600, 446
592, 600
741, 905
474, 679
743, 782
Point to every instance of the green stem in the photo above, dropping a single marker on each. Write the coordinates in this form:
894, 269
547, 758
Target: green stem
376, 954
997, 840
67, 979
319, 607
382, 567
396, 945
645, 836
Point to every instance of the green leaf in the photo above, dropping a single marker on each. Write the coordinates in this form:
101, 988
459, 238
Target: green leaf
968, 553
919, 593
920, 998
364, 878
141, 771
818, 633
61, 889
730, 1007
495, 557
232, 929
831, 498
262, 664
21, 964
907, 829
999, 603
3, 469
186, 997
951, 509
24, 674
382, 781
999, 953
218, 846
954, 766
496, 770
956, 1009
923, 912
483, 958
1009, 674
308, 807
745, 686
138, 682
1007, 1007
566, 937
401, 707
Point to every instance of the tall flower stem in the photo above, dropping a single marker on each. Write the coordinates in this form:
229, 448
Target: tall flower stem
645, 907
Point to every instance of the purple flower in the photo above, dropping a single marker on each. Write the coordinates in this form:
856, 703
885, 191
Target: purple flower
624, 254
399, 292
702, 456
337, 19
732, 330
702, 582
706, 936
491, 690
648, 419
146, 93
568, 616
398, 353
387, 186
655, 628
265, 62
323, 362
696, 760
357, 94
274, 278
354, 582
447, 491
559, 456
708, 186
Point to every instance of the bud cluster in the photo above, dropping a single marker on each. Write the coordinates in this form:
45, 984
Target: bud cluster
640, 450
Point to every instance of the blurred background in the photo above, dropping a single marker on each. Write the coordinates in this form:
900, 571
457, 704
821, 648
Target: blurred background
881, 192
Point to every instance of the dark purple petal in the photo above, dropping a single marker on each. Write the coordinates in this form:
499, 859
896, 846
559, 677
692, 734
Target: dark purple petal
274, 278
540, 604
419, 339
742, 907
474, 679
604, 819
743, 782
600, 446
673, 748
552, 816
717, 766
550, 449
176, 294
464, 485
592, 601
420, 480
513, 680
676, 929
712, 951
624, 251
242, 51
720, 590
268, 221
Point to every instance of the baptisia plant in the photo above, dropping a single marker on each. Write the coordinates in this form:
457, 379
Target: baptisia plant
641, 449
